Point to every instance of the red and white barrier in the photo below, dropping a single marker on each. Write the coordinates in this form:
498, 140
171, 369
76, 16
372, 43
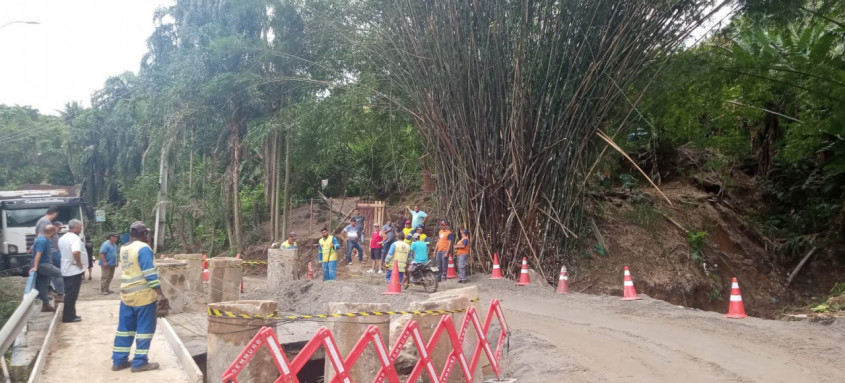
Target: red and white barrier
324, 338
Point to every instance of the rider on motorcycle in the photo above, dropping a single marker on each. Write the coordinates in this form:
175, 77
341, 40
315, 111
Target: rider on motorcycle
419, 249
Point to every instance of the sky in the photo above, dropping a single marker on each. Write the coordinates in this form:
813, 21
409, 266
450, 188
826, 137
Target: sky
75, 48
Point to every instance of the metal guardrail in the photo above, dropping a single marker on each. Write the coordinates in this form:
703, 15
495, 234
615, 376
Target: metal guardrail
17, 321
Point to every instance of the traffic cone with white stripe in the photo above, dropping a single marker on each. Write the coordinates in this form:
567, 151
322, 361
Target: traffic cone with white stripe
736, 308
628, 287
242, 278
563, 282
394, 286
497, 271
310, 274
450, 270
524, 279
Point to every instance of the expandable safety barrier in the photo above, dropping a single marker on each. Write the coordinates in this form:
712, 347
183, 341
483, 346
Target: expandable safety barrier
288, 369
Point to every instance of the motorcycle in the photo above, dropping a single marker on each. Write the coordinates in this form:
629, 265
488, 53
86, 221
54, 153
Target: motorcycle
422, 274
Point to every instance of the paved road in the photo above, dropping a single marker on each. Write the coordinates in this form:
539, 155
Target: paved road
81, 352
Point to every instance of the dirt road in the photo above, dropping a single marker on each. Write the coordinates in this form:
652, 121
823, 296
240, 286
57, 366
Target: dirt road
584, 338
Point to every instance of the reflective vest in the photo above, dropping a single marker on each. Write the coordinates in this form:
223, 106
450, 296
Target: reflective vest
443, 241
134, 288
400, 254
329, 252
462, 250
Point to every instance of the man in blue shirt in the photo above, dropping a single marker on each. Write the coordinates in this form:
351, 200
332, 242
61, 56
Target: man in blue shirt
108, 262
417, 216
353, 236
43, 266
420, 251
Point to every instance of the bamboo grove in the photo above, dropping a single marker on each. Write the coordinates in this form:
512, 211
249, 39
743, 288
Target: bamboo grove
510, 96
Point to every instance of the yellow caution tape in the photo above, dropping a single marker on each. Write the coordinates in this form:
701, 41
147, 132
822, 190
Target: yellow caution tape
276, 316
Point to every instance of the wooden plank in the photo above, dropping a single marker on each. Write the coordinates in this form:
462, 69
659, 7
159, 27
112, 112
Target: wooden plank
40, 362
188, 364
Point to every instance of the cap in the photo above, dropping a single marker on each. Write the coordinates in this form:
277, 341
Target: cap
420, 227
137, 227
112, 234
375, 223
407, 223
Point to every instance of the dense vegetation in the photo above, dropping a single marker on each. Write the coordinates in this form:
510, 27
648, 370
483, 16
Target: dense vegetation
228, 86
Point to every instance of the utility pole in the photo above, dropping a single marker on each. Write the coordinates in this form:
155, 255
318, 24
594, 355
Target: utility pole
287, 182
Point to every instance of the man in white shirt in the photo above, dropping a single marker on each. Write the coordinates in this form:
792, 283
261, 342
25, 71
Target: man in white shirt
74, 263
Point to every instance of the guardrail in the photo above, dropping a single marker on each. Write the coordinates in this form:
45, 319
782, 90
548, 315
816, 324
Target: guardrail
17, 322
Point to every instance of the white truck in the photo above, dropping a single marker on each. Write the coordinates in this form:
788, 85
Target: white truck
19, 211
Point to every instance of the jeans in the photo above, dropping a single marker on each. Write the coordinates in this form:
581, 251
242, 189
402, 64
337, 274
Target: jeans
136, 324
329, 270
389, 272
47, 272
462, 266
72, 284
442, 263
357, 246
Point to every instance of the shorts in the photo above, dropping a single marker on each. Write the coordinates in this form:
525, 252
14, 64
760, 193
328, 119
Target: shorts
375, 253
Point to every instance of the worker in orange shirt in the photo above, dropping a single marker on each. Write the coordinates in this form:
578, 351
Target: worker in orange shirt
444, 243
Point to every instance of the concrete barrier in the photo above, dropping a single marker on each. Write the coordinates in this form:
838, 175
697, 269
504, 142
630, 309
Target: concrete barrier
193, 275
173, 280
347, 331
224, 282
281, 267
227, 337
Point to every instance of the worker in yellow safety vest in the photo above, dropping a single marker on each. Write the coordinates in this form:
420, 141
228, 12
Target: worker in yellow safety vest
400, 251
327, 255
140, 298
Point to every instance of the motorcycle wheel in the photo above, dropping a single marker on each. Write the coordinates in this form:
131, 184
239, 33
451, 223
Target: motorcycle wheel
429, 282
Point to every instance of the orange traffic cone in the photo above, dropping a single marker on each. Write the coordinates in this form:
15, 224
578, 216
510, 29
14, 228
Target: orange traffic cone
563, 282
524, 279
497, 271
310, 274
242, 278
736, 308
450, 271
205, 268
394, 287
628, 287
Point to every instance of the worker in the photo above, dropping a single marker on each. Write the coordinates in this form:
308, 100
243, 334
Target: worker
327, 255
408, 232
444, 243
400, 251
462, 251
290, 243
140, 298
423, 237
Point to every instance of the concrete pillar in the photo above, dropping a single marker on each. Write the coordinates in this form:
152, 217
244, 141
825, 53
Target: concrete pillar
224, 282
428, 323
347, 331
469, 293
172, 275
193, 275
281, 267
227, 337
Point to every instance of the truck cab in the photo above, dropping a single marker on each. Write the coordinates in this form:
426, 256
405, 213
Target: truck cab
19, 211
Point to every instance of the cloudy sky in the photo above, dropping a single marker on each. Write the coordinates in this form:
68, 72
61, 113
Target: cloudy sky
75, 48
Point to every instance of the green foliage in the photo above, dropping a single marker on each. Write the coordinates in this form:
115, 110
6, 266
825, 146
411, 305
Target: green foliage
696, 241
714, 295
32, 148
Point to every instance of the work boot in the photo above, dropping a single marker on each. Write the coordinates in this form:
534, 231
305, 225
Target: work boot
46, 308
122, 366
147, 367
59, 298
